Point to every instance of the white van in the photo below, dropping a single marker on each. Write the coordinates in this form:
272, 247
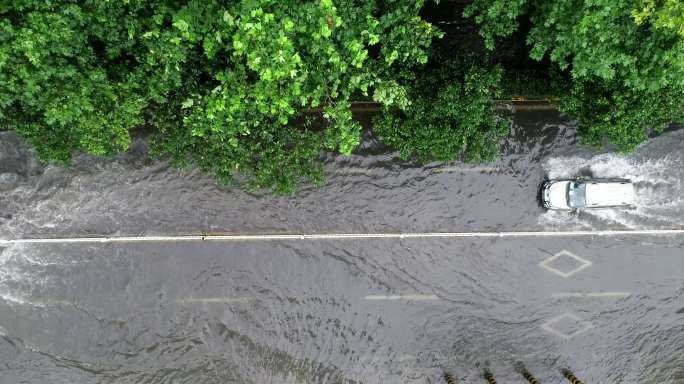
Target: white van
580, 193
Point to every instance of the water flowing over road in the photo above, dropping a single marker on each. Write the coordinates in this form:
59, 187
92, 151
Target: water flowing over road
610, 308
369, 192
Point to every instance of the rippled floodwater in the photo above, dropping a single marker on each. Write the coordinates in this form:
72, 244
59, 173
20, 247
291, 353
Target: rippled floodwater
345, 311
371, 191
341, 312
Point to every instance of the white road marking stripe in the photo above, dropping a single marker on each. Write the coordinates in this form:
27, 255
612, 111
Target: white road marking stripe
402, 297
214, 300
339, 236
351, 171
406, 357
560, 295
369, 171
465, 169
35, 302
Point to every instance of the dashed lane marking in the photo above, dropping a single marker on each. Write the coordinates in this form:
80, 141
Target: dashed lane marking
563, 295
402, 297
214, 300
465, 169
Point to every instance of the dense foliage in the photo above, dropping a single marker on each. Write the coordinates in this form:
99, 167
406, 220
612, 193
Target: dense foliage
667, 14
621, 116
260, 88
55, 89
222, 81
622, 55
282, 58
451, 115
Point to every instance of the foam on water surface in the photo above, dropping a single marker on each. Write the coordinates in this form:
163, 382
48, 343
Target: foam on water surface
656, 171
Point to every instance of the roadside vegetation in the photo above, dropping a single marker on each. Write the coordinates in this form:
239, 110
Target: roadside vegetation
449, 113
624, 59
261, 88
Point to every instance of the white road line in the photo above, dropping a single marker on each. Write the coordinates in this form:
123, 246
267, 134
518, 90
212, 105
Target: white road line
336, 236
465, 169
233, 300
368, 171
214, 300
402, 297
563, 295
407, 357
36, 302
351, 171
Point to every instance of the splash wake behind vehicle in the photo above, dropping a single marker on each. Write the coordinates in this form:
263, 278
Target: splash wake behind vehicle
587, 193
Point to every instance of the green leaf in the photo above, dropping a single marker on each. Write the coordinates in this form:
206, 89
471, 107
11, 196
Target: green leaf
187, 103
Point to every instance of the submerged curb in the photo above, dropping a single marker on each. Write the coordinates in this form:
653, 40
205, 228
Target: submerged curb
512, 104
337, 236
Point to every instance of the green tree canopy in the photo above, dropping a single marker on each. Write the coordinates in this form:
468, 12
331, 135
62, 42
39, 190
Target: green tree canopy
668, 14
451, 114
615, 50
222, 81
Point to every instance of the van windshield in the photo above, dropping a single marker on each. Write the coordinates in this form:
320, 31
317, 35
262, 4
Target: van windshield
577, 195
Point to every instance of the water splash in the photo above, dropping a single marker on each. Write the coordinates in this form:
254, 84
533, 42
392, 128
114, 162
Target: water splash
657, 171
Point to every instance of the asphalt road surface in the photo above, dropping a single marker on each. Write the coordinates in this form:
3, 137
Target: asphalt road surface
610, 308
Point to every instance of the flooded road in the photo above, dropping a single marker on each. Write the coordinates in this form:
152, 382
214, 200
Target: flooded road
368, 192
370, 311
343, 311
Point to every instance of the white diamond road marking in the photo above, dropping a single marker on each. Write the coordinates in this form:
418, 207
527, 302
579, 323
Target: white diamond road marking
546, 263
584, 326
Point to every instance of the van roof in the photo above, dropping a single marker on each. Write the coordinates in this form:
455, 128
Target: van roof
605, 194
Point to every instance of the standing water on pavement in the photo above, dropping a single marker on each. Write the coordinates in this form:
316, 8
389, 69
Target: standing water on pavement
350, 311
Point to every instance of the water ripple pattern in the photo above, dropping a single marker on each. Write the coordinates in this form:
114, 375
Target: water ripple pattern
351, 310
